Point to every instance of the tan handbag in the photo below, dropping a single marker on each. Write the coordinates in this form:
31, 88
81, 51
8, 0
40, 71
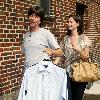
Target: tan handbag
85, 72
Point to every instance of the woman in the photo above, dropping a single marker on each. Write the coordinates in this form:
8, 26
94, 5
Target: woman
76, 46
42, 79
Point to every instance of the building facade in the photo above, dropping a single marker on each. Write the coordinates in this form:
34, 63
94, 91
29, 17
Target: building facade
13, 23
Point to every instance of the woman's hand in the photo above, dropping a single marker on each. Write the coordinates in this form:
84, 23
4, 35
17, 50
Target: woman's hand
76, 47
84, 53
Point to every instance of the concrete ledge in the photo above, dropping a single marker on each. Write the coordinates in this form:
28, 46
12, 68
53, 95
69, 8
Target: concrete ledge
93, 93
91, 97
95, 89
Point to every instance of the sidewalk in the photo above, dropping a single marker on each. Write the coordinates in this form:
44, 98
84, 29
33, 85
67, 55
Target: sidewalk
93, 93
95, 89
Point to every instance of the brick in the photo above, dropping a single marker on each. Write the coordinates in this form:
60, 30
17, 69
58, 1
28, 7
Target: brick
10, 18
6, 31
21, 19
12, 35
6, 22
12, 57
12, 40
1, 21
6, 5
21, 27
3, 79
6, 58
6, 40
2, 26
13, 80
7, 91
20, 15
6, 49
2, 35
6, 13
16, 44
12, 14
1, 4
19, 31
9, 8
1, 40
16, 48
12, 31
2, 17
12, 22
15, 27
14, 89
19, 23
1, 49
1, 58
5, 44
9, 26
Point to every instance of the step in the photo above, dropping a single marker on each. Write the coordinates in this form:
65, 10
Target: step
93, 93
95, 89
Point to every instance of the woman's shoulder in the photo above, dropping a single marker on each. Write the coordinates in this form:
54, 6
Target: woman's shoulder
84, 37
66, 38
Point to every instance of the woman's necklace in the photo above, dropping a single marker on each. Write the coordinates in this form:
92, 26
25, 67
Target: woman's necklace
74, 40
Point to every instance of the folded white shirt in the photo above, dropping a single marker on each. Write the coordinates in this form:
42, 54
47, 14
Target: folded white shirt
44, 81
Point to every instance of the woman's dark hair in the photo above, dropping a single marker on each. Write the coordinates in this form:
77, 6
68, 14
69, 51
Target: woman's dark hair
38, 12
77, 19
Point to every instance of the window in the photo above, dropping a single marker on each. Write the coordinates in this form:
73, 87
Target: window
80, 8
45, 4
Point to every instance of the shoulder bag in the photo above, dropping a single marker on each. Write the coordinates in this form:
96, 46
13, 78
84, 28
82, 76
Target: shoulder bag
85, 72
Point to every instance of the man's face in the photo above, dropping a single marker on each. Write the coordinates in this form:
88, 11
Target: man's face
34, 20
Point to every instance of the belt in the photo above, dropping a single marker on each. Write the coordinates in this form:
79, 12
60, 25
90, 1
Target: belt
46, 59
43, 60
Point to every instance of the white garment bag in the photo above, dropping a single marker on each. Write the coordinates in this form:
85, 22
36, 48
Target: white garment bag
44, 81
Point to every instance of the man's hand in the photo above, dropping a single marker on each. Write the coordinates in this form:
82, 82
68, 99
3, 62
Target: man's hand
48, 51
57, 60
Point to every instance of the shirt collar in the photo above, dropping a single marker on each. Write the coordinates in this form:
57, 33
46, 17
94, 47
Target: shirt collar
45, 67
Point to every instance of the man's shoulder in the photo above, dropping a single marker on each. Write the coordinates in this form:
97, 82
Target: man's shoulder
44, 29
26, 31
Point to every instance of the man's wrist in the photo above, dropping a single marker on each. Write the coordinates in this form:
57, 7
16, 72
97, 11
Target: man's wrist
52, 52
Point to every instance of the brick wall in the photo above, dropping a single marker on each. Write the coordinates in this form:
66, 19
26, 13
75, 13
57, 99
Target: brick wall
92, 18
12, 24
62, 10
13, 21
93, 26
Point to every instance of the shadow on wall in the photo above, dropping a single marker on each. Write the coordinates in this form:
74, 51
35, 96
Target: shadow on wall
95, 51
10, 96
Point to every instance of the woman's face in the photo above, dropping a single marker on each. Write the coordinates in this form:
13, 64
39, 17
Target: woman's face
34, 20
72, 25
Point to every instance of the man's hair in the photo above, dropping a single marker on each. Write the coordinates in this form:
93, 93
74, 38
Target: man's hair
37, 11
